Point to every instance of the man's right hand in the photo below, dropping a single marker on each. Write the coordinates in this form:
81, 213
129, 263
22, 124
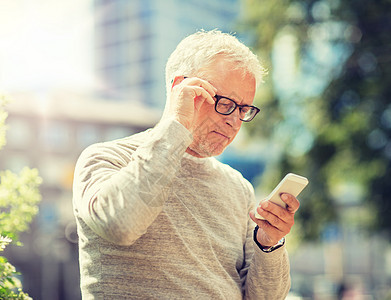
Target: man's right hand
186, 98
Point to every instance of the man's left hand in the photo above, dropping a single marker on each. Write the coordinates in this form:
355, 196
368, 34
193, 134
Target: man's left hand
278, 220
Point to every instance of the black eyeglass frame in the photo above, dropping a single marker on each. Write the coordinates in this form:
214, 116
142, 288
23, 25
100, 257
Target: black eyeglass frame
219, 97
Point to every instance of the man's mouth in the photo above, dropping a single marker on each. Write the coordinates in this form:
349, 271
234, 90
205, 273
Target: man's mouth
221, 134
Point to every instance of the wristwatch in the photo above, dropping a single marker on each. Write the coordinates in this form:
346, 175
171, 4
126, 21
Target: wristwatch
269, 249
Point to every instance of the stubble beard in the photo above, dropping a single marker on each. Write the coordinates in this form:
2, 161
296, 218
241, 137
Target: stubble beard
203, 147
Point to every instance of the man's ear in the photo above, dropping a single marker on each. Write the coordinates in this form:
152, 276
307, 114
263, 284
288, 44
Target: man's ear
177, 80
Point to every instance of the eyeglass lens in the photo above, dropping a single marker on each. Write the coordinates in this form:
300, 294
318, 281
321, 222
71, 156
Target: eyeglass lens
226, 106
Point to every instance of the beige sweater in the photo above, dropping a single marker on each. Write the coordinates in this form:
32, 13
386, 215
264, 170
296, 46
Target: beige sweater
157, 223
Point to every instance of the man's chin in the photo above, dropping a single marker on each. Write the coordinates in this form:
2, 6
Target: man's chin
202, 153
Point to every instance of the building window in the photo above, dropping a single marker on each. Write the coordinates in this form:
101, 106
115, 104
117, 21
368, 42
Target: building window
19, 133
87, 135
56, 136
16, 162
113, 133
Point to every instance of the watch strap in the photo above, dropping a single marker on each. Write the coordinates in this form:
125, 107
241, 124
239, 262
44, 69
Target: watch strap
269, 249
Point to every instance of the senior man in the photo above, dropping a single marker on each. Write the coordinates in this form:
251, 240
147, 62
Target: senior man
158, 217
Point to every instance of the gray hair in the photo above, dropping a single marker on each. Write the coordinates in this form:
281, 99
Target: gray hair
198, 50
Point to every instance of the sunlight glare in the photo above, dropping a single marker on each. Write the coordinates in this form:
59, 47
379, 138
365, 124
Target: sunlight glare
46, 44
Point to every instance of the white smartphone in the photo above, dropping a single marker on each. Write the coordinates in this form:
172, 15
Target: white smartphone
292, 184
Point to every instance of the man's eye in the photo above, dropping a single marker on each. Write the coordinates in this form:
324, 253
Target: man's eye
225, 105
245, 109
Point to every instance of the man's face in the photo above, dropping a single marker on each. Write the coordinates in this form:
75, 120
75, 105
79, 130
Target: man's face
213, 132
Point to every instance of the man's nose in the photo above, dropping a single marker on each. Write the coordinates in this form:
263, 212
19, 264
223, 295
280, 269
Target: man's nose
234, 119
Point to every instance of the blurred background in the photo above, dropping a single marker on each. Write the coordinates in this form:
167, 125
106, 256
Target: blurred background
79, 72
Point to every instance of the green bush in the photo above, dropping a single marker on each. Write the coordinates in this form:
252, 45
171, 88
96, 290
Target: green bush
19, 198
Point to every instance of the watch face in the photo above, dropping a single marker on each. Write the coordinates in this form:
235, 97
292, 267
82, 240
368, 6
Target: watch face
275, 247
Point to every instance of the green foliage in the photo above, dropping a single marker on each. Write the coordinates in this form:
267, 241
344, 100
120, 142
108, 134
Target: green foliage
10, 286
19, 197
326, 112
359, 101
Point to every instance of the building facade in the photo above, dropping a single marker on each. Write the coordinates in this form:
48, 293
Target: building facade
133, 40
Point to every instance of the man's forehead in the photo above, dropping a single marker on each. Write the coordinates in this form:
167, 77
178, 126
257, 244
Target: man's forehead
230, 81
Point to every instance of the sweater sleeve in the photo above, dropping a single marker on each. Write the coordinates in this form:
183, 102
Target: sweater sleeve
267, 275
118, 194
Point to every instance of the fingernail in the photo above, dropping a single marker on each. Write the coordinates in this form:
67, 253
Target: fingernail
284, 197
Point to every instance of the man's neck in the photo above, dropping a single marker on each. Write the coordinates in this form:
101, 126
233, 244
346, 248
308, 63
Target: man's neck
193, 153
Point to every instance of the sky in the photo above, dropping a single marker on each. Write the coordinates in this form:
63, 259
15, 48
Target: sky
45, 44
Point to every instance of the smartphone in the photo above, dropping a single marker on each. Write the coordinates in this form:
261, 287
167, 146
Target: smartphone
292, 184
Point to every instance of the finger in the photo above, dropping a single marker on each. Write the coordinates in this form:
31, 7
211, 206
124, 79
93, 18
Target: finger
261, 223
200, 95
194, 92
276, 216
276, 222
255, 220
276, 210
292, 203
264, 223
267, 233
252, 217
203, 84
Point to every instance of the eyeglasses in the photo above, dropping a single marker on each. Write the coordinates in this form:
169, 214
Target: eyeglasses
226, 106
